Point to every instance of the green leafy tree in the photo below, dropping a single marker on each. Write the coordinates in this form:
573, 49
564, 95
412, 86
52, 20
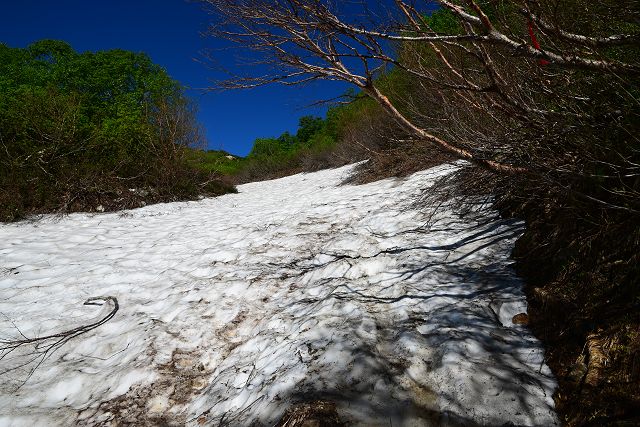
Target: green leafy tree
72, 123
308, 126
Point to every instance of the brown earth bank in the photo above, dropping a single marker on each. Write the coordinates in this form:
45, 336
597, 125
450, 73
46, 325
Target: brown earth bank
106, 194
584, 305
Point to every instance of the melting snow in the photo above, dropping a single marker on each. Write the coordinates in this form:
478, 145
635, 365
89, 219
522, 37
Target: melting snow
232, 309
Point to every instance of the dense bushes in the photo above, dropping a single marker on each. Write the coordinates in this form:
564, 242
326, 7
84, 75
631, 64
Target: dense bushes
77, 130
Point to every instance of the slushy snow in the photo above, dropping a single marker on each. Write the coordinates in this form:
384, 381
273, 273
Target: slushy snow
235, 308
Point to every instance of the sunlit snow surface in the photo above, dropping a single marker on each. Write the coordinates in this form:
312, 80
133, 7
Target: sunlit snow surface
235, 308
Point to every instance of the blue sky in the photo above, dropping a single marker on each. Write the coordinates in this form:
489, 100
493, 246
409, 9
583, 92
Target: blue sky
169, 31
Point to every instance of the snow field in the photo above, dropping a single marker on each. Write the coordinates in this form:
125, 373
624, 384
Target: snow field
233, 309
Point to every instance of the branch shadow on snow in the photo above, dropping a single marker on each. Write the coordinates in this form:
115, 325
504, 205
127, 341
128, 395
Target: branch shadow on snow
377, 349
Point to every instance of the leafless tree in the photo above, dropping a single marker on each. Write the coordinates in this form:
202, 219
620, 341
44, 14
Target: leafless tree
306, 40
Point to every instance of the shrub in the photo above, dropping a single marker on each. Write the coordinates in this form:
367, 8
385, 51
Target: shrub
78, 130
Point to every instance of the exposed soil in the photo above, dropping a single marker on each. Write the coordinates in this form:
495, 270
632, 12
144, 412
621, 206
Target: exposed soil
159, 403
311, 414
584, 305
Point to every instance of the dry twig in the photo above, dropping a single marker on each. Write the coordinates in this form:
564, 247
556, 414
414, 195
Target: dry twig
34, 351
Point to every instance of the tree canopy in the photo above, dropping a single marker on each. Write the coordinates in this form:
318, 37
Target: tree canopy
69, 120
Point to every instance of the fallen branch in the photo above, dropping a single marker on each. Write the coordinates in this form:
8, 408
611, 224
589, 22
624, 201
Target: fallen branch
45, 346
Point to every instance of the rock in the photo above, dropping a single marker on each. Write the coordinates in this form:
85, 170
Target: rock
140, 192
520, 319
199, 383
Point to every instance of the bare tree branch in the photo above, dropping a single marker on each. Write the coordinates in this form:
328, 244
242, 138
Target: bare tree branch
40, 348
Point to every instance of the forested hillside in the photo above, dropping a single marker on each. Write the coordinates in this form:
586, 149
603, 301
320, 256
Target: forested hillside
87, 131
355, 130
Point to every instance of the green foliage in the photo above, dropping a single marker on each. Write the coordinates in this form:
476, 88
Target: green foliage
308, 127
340, 118
267, 147
443, 21
215, 161
69, 119
311, 131
284, 151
